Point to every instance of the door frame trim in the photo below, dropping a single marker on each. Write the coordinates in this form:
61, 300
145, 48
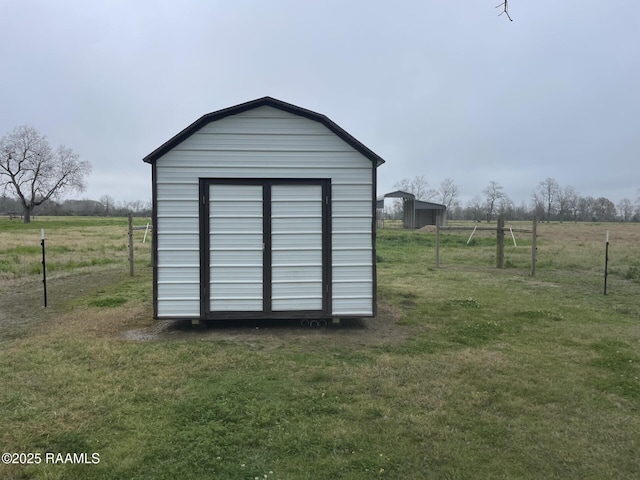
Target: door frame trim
205, 253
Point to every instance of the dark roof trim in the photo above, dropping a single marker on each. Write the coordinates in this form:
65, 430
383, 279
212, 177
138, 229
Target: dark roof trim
265, 101
397, 194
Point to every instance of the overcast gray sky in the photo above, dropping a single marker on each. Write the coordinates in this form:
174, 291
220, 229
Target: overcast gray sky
440, 88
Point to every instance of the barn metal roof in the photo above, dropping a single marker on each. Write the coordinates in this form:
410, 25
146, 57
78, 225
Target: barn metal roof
264, 101
397, 194
419, 204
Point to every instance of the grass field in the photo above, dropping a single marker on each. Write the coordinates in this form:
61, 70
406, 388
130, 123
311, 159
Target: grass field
468, 371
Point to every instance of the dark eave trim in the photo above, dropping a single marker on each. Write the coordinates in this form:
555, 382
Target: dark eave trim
265, 101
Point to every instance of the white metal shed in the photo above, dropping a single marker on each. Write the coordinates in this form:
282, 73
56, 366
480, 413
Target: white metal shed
264, 210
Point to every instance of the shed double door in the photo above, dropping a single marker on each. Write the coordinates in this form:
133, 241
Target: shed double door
266, 249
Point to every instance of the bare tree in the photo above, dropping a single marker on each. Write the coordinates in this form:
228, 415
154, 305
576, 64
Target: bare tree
418, 186
572, 200
625, 209
474, 208
448, 193
537, 205
403, 185
135, 206
549, 191
505, 205
34, 172
567, 198
108, 203
493, 193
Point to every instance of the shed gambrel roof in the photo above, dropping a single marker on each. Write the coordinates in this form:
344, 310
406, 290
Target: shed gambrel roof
260, 102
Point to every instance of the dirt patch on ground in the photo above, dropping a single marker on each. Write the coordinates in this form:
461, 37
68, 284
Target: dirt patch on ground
22, 300
271, 334
21, 309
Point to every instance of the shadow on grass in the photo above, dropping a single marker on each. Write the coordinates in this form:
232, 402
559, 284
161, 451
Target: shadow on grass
266, 324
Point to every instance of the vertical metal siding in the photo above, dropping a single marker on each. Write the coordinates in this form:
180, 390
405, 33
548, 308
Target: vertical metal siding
265, 143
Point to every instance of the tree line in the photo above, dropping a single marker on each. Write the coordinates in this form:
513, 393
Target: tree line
106, 206
34, 178
550, 201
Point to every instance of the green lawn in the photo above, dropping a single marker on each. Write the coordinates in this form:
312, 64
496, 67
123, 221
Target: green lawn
477, 372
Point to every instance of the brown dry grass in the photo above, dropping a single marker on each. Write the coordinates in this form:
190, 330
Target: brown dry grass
71, 243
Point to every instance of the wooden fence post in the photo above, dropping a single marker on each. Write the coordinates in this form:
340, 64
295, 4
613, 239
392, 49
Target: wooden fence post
534, 247
500, 243
131, 245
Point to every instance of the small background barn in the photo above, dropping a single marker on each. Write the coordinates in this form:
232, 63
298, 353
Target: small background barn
415, 213
264, 210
